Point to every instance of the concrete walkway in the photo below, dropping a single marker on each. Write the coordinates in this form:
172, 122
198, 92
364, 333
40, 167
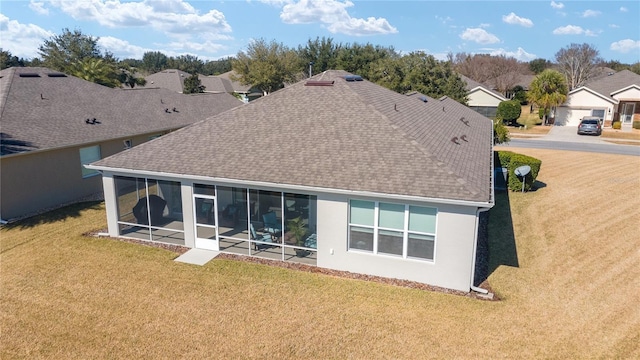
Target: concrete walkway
197, 256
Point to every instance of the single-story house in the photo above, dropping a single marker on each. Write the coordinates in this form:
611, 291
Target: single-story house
333, 171
52, 123
481, 98
615, 97
246, 92
171, 79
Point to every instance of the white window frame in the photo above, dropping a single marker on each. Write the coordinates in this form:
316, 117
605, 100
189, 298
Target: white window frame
405, 231
88, 159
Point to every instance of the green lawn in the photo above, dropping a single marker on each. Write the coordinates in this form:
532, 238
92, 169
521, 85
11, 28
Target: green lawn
564, 260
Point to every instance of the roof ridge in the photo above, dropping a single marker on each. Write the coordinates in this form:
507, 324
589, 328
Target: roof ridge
5, 93
439, 162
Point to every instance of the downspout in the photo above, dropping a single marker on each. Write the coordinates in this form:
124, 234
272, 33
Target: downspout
475, 236
475, 246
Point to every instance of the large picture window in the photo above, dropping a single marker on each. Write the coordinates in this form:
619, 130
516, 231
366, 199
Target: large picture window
87, 156
401, 230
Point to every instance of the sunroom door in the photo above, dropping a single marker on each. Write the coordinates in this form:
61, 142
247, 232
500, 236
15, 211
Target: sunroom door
205, 211
626, 115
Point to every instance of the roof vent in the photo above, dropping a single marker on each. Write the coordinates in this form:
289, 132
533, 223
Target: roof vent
29, 75
464, 138
319, 83
56, 75
92, 121
464, 121
455, 140
423, 99
353, 78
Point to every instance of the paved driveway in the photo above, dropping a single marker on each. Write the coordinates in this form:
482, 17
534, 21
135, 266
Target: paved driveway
570, 134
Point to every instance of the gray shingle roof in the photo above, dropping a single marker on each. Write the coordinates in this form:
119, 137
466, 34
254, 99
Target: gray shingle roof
171, 79
237, 86
216, 84
608, 84
472, 84
50, 112
354, 136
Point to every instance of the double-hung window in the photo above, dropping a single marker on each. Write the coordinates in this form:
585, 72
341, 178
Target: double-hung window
401, 230
87, 156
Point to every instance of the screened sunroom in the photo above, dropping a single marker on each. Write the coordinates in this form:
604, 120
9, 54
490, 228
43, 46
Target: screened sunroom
246, 221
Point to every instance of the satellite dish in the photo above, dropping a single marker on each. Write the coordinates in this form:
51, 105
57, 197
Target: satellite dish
522, 170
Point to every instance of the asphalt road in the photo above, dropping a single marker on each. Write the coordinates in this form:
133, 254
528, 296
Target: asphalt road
605, 148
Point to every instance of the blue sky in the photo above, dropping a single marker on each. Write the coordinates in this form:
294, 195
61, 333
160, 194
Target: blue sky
214, 29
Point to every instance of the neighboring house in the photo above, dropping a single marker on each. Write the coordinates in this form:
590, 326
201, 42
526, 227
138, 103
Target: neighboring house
611, 98
52, 123
246, 92
481, 98
216, 84
171, 79
334, 171
508, 81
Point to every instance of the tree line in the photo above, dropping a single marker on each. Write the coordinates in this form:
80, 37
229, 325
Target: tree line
270, 65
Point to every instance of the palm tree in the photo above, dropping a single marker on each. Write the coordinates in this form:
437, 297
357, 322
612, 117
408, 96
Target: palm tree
548, 90
95, 70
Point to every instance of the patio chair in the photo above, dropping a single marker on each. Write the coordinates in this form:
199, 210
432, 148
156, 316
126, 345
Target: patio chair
311, 241
262, 237
271, 223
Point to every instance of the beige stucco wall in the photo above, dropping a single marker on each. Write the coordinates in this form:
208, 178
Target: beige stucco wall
629, 94
482, 98
39, 180
580, 104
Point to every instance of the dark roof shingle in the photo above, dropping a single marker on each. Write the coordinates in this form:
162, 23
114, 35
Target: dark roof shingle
50, 112
354, 136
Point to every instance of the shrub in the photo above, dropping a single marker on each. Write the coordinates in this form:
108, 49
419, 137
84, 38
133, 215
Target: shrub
616, 125
509, 110
512, 161
636, 124
520, 95
500, 132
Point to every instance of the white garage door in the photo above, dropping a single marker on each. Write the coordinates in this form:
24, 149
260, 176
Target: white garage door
570, 117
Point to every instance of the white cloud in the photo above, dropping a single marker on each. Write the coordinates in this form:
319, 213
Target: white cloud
484, 25
277, 3
590, 13
514, 19
614, 26
122, 47
444, 20
591, 32
38, 7
568, 30
22, 40
334, 15
623, 9
557, 5
480, 36
625, 46
196, 47
168, 16
520, 54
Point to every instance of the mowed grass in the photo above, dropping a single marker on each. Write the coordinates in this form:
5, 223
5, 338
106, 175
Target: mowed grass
634, 134
565, 260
